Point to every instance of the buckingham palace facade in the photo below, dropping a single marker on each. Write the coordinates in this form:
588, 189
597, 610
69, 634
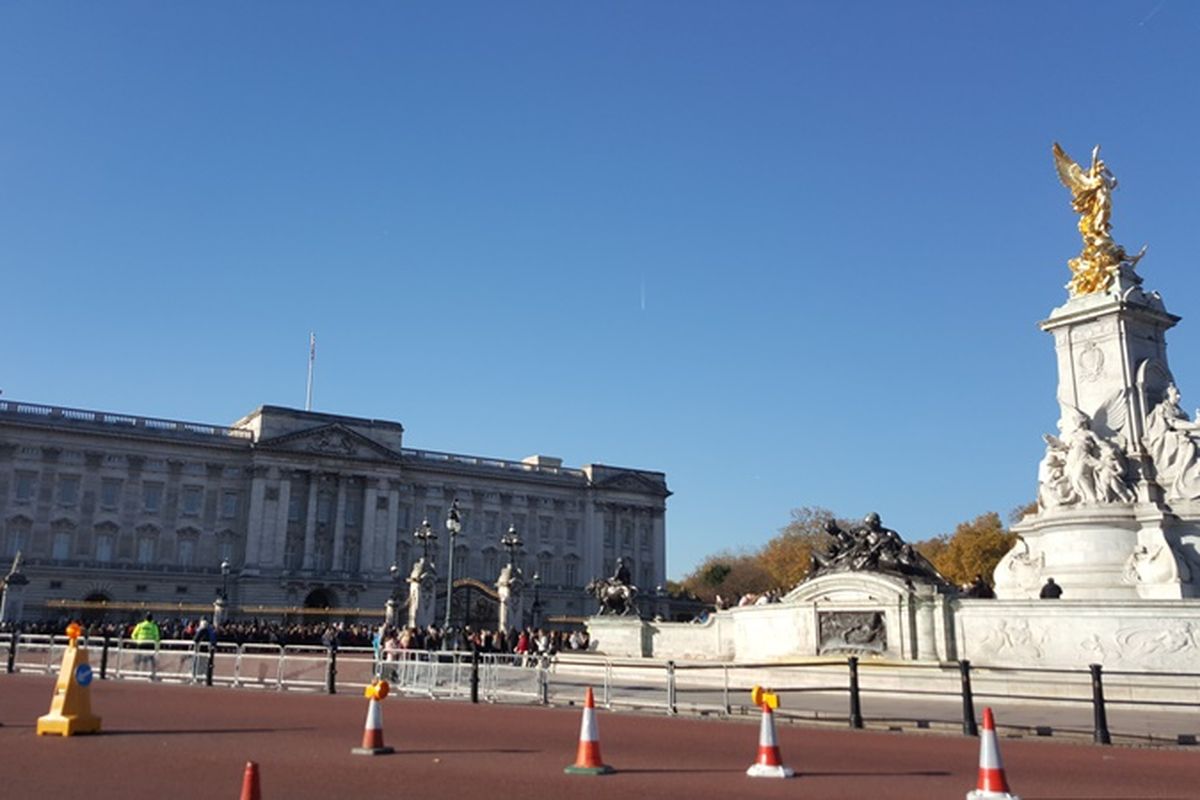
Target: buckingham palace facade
306, 509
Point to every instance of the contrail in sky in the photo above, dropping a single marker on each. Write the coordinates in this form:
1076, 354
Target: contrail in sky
1153, 11
643, 293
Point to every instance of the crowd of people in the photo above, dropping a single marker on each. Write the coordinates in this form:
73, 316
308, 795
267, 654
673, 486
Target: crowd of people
388, 641
978, 588
749, 599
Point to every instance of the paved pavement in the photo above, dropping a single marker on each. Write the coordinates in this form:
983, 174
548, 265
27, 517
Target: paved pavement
189, 742
913, 706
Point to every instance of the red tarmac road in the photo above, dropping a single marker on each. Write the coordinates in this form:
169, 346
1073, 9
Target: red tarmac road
191, 742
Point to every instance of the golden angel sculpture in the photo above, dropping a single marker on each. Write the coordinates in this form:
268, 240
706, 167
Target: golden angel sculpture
1091, 198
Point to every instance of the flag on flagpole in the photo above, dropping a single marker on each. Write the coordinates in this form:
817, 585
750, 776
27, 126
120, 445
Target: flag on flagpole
312, 357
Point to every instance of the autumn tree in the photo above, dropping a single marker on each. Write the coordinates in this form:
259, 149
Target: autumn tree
975, 548
788, 556
728, 574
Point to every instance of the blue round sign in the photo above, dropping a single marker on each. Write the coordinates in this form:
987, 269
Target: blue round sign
83, 674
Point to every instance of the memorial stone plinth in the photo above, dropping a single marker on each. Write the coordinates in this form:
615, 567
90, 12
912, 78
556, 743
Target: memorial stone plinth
421, 594
1106, 527
509, 587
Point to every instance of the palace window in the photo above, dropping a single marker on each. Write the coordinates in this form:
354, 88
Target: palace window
229, 505
350, 556
187, 552
152, 497
110, 493
193, 498
25, 484
292, 556
104, 548
61, 546
18, 536
68, 490
545, 563
145, 550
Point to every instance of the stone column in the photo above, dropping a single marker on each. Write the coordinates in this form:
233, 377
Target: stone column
256, 524
925, 599
391, 532
658, 539
219, 611
370, 536
592, 542
282, 513
310, 519
339, 524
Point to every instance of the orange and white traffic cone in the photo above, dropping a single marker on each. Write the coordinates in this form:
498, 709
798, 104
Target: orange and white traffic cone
769, 763
992, 783
587, 760
372, 741
250, 789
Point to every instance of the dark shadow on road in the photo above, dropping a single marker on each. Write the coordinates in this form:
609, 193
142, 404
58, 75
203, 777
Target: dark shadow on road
913, 773
681, 770
171, 732
445, 751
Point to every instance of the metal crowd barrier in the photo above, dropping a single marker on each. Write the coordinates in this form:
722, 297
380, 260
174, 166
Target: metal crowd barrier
842, 691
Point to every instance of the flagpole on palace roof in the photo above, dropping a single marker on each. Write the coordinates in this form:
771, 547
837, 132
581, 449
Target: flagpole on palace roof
312, 357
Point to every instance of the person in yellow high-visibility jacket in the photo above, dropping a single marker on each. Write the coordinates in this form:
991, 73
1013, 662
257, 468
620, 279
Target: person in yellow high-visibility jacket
146, 637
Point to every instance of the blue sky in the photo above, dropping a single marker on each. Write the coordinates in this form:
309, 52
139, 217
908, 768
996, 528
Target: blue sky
789, 253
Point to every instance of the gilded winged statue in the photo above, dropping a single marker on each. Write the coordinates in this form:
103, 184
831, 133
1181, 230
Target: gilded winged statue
1091, 198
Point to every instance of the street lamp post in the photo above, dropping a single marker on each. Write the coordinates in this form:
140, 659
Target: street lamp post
395, 571
424, 534
220, 605
416, 611
537, 598
453, 527
394, 598
511, 542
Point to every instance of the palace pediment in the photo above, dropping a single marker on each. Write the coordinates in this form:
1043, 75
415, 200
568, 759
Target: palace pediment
335, 440
631, 482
